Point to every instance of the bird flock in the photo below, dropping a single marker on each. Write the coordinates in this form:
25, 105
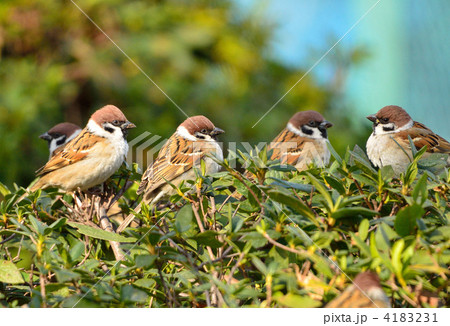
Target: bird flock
84, 158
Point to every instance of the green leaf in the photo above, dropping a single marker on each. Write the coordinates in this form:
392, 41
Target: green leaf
334, 153
353, 211
282, 168
363, 229
365, 180
259, 265
57, 224
396, 252
283, 196
38, 226
77, 250
4, 190
362, 245
9, 273
387, 172
360, 156
440, 234
146, 283
322, 264
129, 293
293, 185
296, 301
145, 261
335, 184
322, 190
183, 219
255, 239
420, 190
99, 233
406, 219
65, 275
208, 238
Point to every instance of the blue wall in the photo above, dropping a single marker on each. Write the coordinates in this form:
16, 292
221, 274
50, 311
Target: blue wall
409, 47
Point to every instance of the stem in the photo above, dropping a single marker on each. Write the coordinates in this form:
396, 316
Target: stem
279, 245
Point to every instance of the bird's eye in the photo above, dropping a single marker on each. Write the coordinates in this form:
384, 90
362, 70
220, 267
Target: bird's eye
312, 123
116, 122
384, 120
203, 131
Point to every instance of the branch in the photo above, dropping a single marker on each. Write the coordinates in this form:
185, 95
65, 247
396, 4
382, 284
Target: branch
107, 226
303, 253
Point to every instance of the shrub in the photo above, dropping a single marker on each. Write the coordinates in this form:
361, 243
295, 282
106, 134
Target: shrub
291, 242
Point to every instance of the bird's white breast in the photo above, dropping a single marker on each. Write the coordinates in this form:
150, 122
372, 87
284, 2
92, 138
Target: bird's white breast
383, 150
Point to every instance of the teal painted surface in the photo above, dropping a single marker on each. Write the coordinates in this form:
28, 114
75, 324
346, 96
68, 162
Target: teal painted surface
408, 41
410, 64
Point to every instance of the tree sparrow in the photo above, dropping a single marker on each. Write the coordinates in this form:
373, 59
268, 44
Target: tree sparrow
194, 140
60, 135
365, 292
92, 156
303, 141
389, 143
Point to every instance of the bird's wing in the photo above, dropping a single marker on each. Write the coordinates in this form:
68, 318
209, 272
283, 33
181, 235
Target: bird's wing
422, 136
287, 147
354, 298
74, 151
177, 156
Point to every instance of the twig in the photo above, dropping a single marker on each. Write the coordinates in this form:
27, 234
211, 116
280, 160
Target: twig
107, 226
235, 267
303, 253
216, 298
122, 190
42, 284
361, 192
224, 202
269, 290
166, 289
241, 179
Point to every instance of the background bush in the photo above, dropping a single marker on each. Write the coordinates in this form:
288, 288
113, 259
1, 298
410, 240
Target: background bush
55, 66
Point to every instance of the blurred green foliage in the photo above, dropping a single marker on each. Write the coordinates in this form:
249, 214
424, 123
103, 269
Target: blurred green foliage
287, 245
210, 58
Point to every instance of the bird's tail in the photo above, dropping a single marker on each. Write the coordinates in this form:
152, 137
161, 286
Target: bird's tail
129, 219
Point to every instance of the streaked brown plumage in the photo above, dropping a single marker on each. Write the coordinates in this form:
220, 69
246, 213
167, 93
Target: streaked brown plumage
91, 157
365, 292
303, 141
389, 141
59, 135
194, 140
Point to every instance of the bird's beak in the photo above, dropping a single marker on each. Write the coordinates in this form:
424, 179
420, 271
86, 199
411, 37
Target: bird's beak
46, 137
372, 118
216, 131
326, 124
128, 125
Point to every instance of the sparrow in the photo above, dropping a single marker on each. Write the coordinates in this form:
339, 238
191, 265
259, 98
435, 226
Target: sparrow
91, 157
60, 135
194, 140
303, 141
365, 292
389, 144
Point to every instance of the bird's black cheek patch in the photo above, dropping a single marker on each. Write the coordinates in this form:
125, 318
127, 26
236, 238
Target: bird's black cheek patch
388, 128
307, 131
200, 136
61, 141
109, 129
